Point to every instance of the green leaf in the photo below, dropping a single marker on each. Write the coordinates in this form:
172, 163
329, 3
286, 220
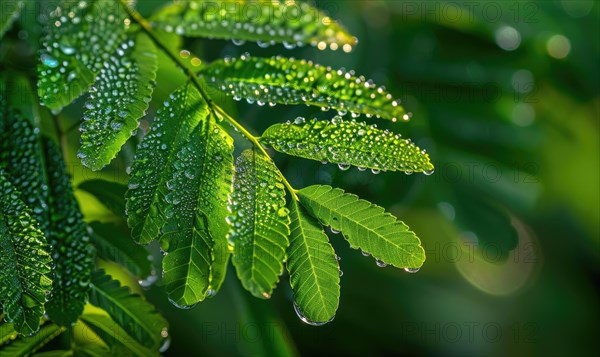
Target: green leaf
25, 262
313, 268
8, 14
117, 101
7, 332
153, 163
24, 163
110, 194
265, 21
113, 242
259, 223
130, 311
28, 345
347, 143
365, 226
80, 37
55, 353
289, 81
119, 341
196, 246
73, 255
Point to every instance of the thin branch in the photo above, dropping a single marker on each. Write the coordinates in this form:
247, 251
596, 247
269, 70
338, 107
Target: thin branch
147, 28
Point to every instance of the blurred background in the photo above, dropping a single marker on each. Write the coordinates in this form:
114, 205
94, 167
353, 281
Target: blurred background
505, 99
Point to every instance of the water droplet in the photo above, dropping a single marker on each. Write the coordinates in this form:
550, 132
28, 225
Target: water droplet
380, 263
148, 281
304, 319
411, 270
344, 166
429, 172
365, 254
183, 307
333, 230
375, 171
49, 61
165, 345
282, 212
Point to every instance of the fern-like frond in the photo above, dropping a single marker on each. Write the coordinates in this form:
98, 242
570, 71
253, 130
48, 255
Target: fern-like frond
347, 143
72, 252
130, 311
9, 13
313, 268
364, 225
289, 81
26, 346
153, 163
23, 160
195, 234
110, 194
259, 223
25, 262
117, 101
293, 23
113, 242
80, 37
115, 337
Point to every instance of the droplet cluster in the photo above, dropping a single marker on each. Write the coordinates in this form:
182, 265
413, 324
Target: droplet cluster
266, 22
196, 199
347, 143
259, 223
117, 100
78, 41
146, 207
290, 81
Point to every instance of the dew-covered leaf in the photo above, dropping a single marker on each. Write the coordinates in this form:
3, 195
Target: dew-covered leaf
313, 268
259, 223
195, 235
364, 225
118, 99
26, 346
72, 252
347, 143
22, 158
9, 12
80, 37
110, 194
293, 23
136, 316
113, 242
289, 81
147, 208
25, 262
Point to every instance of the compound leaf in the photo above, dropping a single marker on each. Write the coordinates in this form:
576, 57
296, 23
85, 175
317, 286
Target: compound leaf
364, 225
347, 143
265, 21
118, 99
72, 253
196, 245
25, 262
289, 81
113, 242
313, 268
136, 316
26, 346
152, 167
259, 223
80, 37
119, 341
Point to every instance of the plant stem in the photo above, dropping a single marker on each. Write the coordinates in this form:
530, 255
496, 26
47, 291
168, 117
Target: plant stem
147, 28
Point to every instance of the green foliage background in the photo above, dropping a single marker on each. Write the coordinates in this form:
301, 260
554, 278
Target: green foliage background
515, 141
